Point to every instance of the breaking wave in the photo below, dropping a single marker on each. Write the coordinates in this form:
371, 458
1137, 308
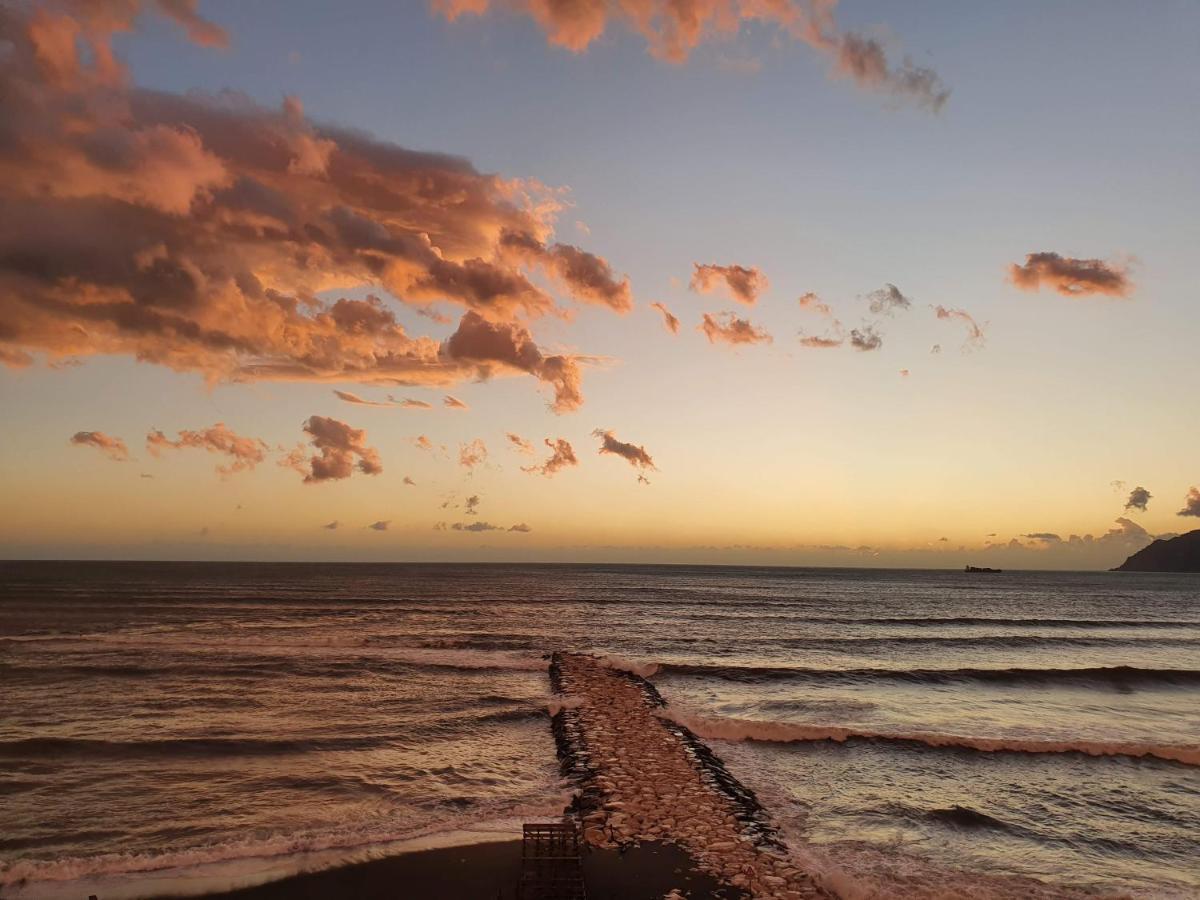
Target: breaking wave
1103, 676
787, 732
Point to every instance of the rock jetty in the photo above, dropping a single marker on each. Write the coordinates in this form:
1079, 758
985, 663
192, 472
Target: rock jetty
641, 777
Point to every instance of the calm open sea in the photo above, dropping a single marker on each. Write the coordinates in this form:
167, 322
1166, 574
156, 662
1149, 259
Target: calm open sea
168, 726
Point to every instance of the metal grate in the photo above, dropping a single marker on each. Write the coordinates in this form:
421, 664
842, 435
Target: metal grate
550, 867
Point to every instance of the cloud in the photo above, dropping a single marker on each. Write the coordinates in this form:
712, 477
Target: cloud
1045, 537
816, 304
245, 453
588, 277
422, 442
519, 443
113, 447
729, 329
975, 335
672, 30
475, 526
887, 299
669, 321
935, 349
635, 455
744, 284
472, 454
521, 528
359, 401
451, 402
471, 506
381, 525
1191, 503
1139, 498
508, 346
562, 455
408, 480
865, 338
331, 526
820, 342
338, 444
1069, 276
904, 373
199, 232
408, 403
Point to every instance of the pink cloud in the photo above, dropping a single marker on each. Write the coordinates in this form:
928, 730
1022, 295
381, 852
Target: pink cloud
337, 444
562, 456
729, 329
1069, 276
744, 284
112, 447
669, 321
244, 453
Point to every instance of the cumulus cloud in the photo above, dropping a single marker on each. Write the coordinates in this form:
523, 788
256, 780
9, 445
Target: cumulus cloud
197, 232
587, 277
471, 506
634, 454
338, 445
814, 303
562, 455
381, 525
1069, 276
865, 338
744, 284
887, 299
1045, 537
975, 335
244, 453
113, 447
452, 402
1139, 498
508, 346
669, 321
472, 454
672, 30
1191, 503
729, 329
521, 528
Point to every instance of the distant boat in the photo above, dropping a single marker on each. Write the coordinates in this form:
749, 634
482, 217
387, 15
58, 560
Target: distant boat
974, 569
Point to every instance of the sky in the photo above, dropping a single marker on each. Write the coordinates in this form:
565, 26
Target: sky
804, 283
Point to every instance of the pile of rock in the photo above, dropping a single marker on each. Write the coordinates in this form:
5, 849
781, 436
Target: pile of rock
643, 778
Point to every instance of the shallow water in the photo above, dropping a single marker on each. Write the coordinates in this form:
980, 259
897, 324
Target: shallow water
181, 717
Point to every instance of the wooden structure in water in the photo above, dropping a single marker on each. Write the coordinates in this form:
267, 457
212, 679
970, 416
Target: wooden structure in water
550, 863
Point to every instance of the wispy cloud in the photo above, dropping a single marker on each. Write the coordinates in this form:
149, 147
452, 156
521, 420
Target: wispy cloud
669, 321
744, 284
562, 456
727, 328
113, 447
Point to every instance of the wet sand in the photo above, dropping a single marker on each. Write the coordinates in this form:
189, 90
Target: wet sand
491, 872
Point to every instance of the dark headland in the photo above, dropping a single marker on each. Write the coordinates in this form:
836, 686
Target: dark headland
1180, 554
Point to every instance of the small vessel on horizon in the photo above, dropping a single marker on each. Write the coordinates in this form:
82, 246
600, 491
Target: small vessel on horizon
974, 569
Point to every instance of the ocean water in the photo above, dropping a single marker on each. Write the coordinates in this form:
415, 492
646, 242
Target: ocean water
182, 727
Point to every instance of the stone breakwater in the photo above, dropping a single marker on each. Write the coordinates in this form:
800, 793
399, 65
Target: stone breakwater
642, 777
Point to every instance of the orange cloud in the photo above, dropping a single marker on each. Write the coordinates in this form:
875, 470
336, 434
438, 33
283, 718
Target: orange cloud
520, 443
729, 329
669, 321
975, 335
744, 284
562, 455
634, 454
588, 277
113, 447
338, 444
245, 453
673, 29
1069, 276
453, 403
815, 303
408, 403
472, 454
349, 397
197, 232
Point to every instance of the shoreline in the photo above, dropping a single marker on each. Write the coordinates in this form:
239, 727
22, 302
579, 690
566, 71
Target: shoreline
491, 871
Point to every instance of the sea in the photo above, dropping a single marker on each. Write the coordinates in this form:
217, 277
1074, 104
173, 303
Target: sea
184, 727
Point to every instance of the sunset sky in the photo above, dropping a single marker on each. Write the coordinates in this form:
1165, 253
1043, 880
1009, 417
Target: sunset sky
932, 267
